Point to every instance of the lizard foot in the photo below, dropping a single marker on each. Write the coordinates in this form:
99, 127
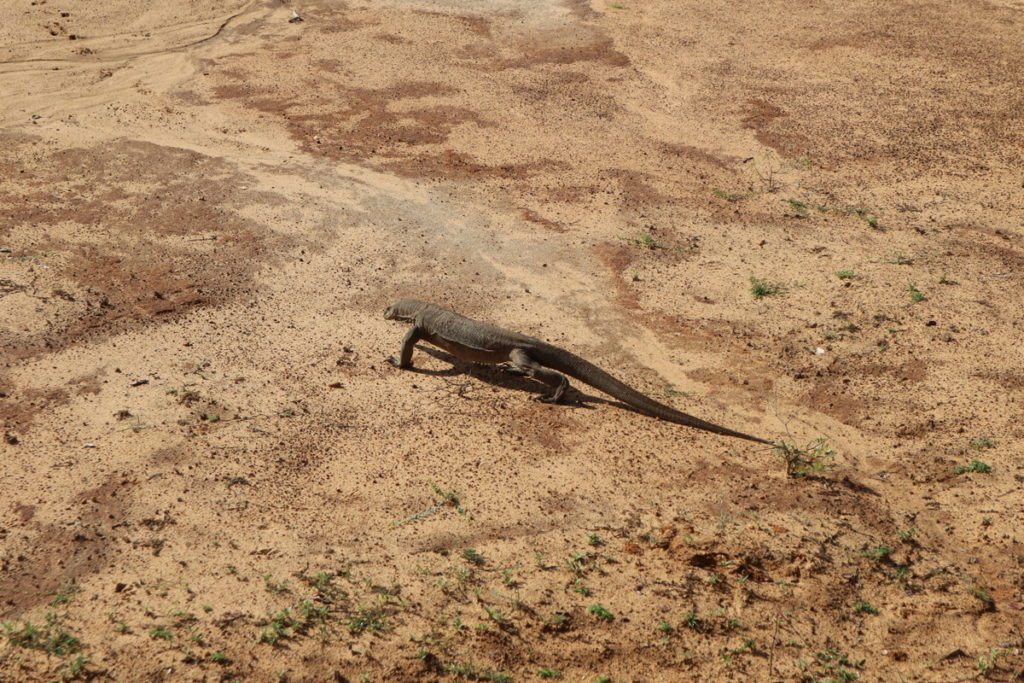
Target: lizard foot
397, 363
547, 398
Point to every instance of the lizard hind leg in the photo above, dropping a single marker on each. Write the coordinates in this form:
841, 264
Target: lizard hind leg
523, 364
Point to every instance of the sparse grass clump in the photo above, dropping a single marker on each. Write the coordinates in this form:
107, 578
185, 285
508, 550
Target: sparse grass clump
730, 196
64, 594
600, 612
50, 636
762, 288
279, 626
368, 619
813, 458
863, 607
878, 554
974, 466
470, 672
845, 274
798, 207
693, 622
981, 593
916, 295
472, 556
649, 242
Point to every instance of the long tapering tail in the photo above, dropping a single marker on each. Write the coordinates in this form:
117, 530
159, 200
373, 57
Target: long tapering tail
569, 363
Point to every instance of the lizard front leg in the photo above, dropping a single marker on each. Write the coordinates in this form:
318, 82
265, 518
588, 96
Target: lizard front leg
524, 364
404, 359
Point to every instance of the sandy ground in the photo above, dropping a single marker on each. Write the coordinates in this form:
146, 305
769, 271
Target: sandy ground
209, 473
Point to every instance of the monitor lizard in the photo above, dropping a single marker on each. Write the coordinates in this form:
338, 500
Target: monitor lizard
484, 343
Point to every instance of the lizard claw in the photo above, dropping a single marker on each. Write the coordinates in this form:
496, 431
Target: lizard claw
546, 398
394, 361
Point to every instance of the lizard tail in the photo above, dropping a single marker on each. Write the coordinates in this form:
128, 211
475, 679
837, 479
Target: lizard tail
585, 371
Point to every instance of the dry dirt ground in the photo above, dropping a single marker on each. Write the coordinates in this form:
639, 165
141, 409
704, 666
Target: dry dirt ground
209, 473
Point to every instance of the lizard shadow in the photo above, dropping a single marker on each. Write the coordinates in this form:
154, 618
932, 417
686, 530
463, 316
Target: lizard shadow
496, 376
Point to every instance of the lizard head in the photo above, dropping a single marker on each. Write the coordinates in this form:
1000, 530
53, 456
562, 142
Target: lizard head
404, 310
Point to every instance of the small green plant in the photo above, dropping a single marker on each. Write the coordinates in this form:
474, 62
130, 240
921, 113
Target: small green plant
600, 612
666, 628
495, 615
368, 619
75, 668
799, 208
50, 636
578, 564
272, 587
906, 534
470, 672
982, 443
762, 288
219, 657
878, 554
974, 466
449, 498
595, 540
472, 556
64, 593
988, 662
730, 196
845, 274
900, 260
836, 665
549, 673
642, 240
863, 607
693, 622
915, 294
161, 633
981, 593
279, 626
648, 242
813, 458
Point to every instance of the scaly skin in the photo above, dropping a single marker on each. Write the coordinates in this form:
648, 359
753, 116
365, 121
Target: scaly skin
483, 343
